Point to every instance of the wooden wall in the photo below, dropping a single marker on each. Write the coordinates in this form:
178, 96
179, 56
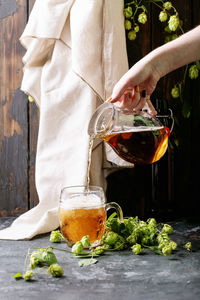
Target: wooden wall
19, 121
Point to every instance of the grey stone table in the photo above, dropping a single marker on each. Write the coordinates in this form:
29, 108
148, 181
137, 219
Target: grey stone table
117, 275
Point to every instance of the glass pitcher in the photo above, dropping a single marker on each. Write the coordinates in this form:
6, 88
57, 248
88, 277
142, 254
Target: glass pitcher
137, 138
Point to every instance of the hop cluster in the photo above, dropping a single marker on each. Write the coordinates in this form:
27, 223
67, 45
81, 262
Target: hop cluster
130, 23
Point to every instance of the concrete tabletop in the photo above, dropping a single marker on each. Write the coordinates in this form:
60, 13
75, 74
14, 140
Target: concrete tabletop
117, 275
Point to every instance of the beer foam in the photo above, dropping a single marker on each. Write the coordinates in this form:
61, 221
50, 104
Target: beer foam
81, 201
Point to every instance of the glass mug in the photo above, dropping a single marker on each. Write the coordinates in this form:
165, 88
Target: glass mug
82, 211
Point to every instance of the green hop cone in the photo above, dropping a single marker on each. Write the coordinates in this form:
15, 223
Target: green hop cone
132, 35
111, 238
128, 12
98, 250
167, 250
175, 92
188, 246
163, 238
132, 239
167, 228
136, 28
173, 23
137, 249
33, 262
173, 245
85, 241
152, 222
56, 236
55, 270
193, 72
163, 16
167, 5
142, 18
28, 275
77, 248
127, 24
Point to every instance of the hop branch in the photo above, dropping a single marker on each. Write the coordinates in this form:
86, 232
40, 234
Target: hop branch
135, 13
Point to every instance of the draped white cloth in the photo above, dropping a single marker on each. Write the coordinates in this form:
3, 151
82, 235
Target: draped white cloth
75, 53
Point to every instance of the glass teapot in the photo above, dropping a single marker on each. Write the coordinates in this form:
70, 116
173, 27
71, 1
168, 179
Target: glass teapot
137, 138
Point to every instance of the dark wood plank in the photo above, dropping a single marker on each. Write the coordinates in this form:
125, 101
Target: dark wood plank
13, 112
33, 133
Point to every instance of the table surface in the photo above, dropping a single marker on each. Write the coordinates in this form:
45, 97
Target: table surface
117, 275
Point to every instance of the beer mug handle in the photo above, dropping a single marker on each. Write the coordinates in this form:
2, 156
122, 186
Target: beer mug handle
117, 208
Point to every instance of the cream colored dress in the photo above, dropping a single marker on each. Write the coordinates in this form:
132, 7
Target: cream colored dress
76, 52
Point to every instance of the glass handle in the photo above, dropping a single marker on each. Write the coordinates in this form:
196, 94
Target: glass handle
117, 208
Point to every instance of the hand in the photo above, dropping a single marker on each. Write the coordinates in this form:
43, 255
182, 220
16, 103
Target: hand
142, 76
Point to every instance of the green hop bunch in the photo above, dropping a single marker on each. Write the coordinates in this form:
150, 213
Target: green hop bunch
175, 92
55, 270
128, 12
193, 72
167, 5
28, 275
167, 228
188, 246
127, 24
56, 236
173, 23
132, 35
42, 256
163, 16
142, 18
77, 248
137, 249
86, 241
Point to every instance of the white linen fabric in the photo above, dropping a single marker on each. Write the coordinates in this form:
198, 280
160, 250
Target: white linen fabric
76, 52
